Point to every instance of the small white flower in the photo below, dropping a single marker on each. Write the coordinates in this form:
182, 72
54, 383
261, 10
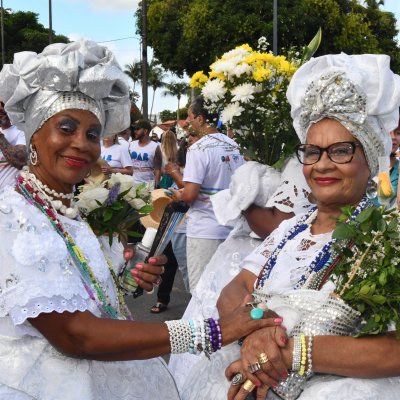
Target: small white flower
243, 93
214, 90
230, 111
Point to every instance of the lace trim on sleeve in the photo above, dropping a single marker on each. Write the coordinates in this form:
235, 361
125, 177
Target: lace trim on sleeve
35, 307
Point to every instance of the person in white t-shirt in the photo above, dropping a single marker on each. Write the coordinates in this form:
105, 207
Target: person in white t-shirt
146, 155
210, 164
124, 138
117, 157
13, 154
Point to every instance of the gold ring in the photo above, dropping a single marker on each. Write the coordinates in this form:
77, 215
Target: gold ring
262, 358
248, 385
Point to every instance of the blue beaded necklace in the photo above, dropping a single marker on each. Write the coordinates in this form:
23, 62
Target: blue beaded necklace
322, 259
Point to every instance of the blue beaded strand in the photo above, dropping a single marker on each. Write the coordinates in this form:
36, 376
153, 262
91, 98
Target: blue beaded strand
323, 258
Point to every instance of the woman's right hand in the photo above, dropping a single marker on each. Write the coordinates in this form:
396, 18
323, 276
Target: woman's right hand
238, 323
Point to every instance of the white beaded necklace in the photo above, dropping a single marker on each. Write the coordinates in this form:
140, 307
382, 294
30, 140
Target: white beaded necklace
51, 196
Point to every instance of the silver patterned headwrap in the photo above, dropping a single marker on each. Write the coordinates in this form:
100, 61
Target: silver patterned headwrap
78, 75
359, 91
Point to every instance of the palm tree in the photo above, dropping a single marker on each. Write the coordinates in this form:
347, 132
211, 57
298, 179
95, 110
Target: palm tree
176, 89
134, 72
155, 77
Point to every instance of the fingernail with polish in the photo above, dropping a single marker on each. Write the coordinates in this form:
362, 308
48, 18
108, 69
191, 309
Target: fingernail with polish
139, 266
134, 272
284, 339
278, 320
152, 260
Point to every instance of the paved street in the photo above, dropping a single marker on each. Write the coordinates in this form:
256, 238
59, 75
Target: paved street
140, 306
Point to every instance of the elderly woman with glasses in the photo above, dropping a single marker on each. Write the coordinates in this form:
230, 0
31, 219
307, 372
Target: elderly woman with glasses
343, 109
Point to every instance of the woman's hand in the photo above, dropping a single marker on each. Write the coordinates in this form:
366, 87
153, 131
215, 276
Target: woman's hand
265, 348
236, 391
147, 275
238, 323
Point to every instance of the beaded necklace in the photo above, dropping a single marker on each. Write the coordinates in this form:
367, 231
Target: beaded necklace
322, 260
88, 279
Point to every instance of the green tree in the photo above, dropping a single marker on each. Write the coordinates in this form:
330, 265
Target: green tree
176, 89
167, 115
188, 35
22, 31
134, 71
156, 76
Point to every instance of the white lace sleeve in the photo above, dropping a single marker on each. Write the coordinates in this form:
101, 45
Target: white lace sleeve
292, 194
36, 274
256, 260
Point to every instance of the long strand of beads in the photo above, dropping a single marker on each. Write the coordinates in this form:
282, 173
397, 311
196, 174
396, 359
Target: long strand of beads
88, 278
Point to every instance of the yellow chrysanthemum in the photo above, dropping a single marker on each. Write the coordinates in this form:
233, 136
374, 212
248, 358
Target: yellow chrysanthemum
198, 79
261, 74
245, 47
219, 75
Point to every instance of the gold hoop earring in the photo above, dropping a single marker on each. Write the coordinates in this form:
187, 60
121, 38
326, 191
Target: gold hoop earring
89, 173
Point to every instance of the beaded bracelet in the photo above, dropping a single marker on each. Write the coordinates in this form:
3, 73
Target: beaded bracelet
309, 356
303, 354
296, 359
180, 336
194, 336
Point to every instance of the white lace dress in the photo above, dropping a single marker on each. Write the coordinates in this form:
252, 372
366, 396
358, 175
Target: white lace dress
38, 276
206, 379
290, 196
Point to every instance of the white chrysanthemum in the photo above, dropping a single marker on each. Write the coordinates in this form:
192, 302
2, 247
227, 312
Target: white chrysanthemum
243, 93
230, 111
214, 90
241, 69
224, 66
238, 52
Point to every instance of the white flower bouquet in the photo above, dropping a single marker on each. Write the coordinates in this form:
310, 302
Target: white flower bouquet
114, 206
247, 89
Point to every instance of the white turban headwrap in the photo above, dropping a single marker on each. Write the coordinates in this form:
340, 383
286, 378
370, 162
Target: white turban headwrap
82, 75
359, 91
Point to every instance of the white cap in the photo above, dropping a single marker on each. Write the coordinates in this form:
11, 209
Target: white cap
149, 236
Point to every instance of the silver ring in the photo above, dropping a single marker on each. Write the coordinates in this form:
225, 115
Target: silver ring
253, 368
238, 379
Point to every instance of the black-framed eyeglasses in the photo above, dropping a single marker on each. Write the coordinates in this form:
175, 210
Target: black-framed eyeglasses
339, 153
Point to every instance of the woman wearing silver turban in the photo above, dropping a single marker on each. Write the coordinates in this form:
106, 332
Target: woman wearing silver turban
343, 109
62, 317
